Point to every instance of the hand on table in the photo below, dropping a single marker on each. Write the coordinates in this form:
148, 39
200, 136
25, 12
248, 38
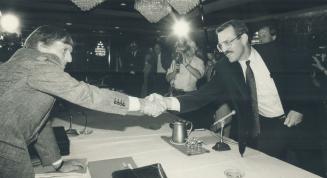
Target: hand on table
73, 165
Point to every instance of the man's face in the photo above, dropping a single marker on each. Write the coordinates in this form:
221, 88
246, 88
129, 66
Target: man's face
265, 35
157, 49
60, 49
232, 46
133, 46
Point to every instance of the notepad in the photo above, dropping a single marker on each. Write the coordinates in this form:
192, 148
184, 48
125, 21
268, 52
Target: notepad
104, 168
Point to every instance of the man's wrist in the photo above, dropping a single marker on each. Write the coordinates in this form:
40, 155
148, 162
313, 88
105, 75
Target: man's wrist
172, 103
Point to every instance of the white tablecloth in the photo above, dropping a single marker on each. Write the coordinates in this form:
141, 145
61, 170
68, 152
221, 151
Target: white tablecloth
140, 138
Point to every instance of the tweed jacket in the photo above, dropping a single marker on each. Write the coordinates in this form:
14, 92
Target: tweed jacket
29, 83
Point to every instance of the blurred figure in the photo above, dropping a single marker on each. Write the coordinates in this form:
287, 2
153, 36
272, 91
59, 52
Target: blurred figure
160, 64
148, 66
133, 66
210, 66
267, 34
133, 62
186, 68
320, 69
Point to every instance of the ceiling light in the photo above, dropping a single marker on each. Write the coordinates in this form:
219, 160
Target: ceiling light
122, 4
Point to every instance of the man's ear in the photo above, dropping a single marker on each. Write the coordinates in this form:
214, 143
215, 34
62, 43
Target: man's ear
244, 38
41, 46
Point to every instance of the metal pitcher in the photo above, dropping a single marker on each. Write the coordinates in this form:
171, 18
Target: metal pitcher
180, 131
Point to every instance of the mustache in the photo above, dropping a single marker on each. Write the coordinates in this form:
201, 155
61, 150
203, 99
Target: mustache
227, 52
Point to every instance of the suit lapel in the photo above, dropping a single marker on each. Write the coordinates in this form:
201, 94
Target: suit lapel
238, 77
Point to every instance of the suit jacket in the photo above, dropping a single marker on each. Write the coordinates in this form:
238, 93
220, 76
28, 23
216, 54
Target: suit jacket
134, 62
229, 84
29, 83
165, 61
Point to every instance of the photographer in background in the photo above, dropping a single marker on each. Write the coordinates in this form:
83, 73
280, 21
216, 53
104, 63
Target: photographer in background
186, 68
184, 72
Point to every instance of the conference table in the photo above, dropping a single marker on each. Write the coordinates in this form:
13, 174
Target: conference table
140, 137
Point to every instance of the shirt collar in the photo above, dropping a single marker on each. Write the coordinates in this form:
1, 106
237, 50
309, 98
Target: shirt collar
250, 58
37, 55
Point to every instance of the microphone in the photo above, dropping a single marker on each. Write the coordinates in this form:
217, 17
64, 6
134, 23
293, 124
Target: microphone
178, 61
220, 145
224, 118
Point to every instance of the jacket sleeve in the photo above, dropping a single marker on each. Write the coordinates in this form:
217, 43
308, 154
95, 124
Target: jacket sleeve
51, 79
211, 91
46, 146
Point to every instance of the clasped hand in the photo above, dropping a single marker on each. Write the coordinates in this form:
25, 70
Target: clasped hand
153, 105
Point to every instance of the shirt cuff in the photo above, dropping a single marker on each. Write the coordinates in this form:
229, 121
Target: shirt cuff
57, 163
174, 104
134, 104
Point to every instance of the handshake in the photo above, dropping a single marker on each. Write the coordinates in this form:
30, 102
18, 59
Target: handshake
154, 105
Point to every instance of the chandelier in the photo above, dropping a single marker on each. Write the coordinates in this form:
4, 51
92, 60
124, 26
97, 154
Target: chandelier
153, 10
183, 6
86, 5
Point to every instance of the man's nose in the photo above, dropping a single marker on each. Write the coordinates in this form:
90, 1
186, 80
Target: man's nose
224, 48
68, 57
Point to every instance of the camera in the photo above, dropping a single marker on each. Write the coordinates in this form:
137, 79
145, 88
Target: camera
178, 58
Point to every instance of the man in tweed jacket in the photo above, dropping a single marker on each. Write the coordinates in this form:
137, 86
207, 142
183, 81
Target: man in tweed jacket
29, 82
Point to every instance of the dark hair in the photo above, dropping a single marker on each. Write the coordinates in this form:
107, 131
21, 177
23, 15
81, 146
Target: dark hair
269, 24
238, 25
47, 34
272, 30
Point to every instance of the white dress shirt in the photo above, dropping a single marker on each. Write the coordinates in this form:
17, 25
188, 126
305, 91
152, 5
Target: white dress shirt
268, 98
160, 69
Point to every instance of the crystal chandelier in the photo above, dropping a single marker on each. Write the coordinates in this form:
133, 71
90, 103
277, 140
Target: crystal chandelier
183, 6
153, 10
86, 5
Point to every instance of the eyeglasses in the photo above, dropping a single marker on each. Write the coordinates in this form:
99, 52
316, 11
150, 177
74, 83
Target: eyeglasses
227, 44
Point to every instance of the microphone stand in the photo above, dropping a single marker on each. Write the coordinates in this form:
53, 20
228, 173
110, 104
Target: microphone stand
70, 131
221, 145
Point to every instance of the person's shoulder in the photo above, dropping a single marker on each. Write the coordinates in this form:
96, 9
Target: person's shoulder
223, 61
196, 58
268, 46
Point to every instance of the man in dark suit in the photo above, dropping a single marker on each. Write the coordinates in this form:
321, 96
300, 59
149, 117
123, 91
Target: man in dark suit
259, 89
